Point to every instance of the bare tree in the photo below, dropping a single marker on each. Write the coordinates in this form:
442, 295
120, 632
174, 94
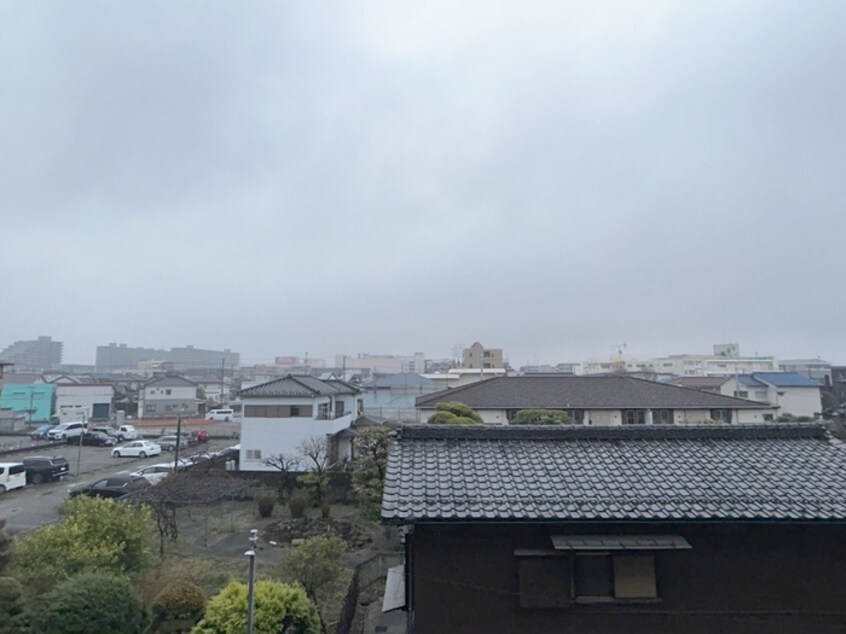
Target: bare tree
288, 465
315, 455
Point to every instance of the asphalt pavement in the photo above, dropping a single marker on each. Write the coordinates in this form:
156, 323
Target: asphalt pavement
37, 505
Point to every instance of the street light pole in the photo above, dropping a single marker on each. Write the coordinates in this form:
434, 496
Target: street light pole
251, 588
178, 442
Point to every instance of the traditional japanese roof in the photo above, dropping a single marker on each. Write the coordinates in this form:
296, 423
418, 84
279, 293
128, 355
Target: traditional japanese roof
170, 381
298, 385
658, 473
582, 392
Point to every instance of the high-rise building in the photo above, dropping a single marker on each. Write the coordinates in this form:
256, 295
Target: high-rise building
121, 357
34, 355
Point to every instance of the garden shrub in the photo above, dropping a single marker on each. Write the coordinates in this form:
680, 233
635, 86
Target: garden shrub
177, 608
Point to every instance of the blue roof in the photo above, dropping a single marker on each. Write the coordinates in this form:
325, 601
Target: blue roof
786, 379
750, 381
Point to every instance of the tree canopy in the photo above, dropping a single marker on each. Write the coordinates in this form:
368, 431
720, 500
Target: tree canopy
316, 566
542, 417
370, 448
454, 413
94, 535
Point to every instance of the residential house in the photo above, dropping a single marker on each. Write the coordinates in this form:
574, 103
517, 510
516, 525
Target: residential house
280, 414
790, 393
597, 400
169, 397
665, 529
33, 400
84, 401
816, 369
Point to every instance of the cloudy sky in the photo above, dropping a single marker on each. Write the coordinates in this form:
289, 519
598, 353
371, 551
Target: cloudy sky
552, 178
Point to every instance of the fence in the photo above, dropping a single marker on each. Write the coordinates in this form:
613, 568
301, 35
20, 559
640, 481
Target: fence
365, 574
402, 414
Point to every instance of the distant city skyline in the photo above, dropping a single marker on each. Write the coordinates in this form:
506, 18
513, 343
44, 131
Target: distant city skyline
82, 357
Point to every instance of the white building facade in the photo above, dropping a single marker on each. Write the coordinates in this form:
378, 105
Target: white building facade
278, 416
76, 401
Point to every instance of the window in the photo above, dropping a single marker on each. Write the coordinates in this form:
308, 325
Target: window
768, 417
741, 393
634, 417
151, 409
556, 581
253, 454
662, 417
721, 415
167, 392
593, 576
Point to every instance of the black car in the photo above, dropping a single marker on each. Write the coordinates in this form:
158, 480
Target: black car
114, 486
98, 439
45, 468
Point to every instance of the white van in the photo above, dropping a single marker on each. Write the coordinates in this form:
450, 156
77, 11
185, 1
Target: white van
12, 476
218, 415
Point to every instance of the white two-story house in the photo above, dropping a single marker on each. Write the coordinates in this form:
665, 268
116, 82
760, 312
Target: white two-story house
791, 393
280, 414
169, 397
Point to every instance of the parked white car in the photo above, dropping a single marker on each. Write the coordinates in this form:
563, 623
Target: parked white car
155, 473
66, 431
137, 449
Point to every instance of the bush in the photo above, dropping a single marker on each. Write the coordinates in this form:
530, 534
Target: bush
542, 417
94, 534
279, 607
11, 604
177, 608
90, 602
454, 413
266, 504
297, 503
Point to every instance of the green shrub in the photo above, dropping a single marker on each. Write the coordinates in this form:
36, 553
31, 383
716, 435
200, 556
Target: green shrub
266, 504
298, 502
177, 608
542, 417
94, 535
90, 602
454, 413
279, 607
11, 604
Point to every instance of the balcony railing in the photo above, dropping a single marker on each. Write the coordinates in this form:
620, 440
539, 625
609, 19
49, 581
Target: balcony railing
327, 415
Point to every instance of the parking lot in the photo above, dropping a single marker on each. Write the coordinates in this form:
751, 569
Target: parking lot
37, 505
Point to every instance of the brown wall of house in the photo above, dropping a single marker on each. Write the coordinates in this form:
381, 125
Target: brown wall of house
744, 579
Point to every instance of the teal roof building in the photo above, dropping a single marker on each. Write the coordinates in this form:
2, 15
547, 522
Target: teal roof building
23, 397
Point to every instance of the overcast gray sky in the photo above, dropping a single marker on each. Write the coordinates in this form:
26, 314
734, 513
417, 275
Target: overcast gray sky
551, 178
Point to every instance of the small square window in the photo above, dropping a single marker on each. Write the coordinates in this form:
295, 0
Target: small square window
253, 454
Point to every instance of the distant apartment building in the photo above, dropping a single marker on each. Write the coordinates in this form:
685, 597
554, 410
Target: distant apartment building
34, 355
119, 356
725, 360
382, 363
477, 356
816, 369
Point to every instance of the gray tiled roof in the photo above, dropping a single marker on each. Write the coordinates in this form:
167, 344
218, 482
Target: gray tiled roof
716, 472
298, 385
582, 392
170, 381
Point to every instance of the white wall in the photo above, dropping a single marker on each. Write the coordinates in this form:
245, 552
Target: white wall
798, 401
76, 402
274, 436
183, 393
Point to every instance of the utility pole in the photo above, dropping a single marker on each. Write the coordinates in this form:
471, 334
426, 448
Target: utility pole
222, 380
79, 446
251, 588
178, 442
